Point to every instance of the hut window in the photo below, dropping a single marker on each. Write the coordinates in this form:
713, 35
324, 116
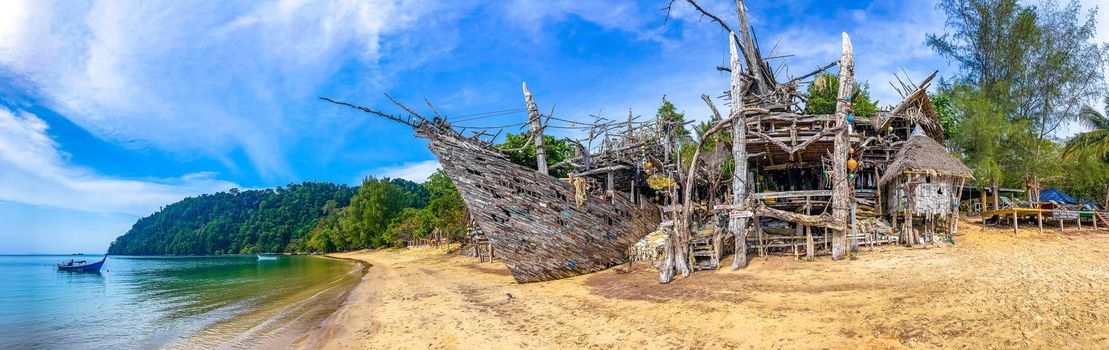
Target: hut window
927, 179
939, 191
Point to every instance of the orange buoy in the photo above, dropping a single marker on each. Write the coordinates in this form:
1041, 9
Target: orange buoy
852, 164
650, 165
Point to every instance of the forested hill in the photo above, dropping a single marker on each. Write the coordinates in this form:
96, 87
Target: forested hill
308, 217
234, 222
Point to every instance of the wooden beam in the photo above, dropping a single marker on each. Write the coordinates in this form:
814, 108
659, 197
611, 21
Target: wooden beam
793, 194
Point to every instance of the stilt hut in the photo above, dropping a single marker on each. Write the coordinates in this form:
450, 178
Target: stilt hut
923, 185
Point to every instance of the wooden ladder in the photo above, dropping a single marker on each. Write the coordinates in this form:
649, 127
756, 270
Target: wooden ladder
701, 253
1104, 220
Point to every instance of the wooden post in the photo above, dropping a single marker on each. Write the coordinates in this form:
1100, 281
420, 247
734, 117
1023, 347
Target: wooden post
854, 225
1094, 219
1014, 221
985, 207
810, 248
1040, 220
878, 192
1079, 220
536, 131
738, 226
1060, 225
955, 218
610, 184
839, 156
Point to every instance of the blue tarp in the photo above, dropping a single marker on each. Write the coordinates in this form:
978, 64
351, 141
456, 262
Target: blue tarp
1090, 202
1057, 196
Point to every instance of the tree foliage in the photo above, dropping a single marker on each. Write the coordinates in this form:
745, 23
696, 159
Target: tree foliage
234, 222
1027, 69
557, 151
309, 217
824, 91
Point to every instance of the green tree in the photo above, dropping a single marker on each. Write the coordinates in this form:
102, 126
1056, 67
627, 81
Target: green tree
446, 206
1035, 64
371, 210
557, 151
944, 105
824, 91
670, 119
1094, 142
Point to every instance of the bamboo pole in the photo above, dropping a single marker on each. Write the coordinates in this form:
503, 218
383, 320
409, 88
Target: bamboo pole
1015, 221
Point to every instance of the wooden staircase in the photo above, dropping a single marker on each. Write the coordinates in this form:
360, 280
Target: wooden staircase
701, 253
1104, 220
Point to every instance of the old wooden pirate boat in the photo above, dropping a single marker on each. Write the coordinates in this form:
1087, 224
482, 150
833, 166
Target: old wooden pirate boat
539, 225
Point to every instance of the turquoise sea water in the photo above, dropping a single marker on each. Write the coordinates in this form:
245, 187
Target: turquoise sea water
167, 302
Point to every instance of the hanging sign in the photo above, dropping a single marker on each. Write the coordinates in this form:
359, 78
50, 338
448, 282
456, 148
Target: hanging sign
723, 207
740, 214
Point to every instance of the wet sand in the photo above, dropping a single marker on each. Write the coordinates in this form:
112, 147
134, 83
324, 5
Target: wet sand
993, 289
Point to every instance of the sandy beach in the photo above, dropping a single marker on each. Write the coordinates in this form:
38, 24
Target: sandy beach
993, 289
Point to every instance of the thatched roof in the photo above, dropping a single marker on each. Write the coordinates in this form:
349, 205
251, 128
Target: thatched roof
922, 153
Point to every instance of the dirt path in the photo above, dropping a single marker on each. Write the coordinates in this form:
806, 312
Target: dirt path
991, 290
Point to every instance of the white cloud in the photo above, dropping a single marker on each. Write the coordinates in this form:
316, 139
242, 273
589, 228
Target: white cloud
35, 172
414, 171
203, 77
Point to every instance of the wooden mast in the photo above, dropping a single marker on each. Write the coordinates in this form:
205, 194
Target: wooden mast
536, 132
839, 156
738, 225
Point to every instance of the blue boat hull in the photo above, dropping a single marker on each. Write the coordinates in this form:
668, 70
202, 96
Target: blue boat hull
93, 267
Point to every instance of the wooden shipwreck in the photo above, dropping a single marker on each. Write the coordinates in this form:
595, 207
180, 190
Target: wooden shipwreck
543, 227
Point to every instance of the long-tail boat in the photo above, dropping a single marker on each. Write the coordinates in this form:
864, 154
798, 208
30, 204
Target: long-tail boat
80, 265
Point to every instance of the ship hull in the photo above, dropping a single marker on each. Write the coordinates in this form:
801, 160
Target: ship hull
533, 220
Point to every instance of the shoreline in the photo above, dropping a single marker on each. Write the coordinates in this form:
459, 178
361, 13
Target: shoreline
972, 294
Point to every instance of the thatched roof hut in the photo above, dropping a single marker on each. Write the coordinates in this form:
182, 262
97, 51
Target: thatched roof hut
923, 154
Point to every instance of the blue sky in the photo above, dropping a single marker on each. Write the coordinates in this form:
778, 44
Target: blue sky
112, 109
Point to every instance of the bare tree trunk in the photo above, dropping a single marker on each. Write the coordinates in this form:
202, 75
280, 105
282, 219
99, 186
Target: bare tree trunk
993, 188
738, 225
839, 156
536, 132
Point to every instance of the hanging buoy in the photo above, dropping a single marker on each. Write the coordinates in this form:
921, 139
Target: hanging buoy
848, 103
851, 176
852, 164
647, 171
650, 165
890, 129
656, 198
851, 150
850, 118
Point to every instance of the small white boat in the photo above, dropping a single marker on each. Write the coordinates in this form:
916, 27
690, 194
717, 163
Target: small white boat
268, 256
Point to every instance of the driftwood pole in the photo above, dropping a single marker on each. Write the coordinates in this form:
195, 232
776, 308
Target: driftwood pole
738, 225
839, 156
536, 132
